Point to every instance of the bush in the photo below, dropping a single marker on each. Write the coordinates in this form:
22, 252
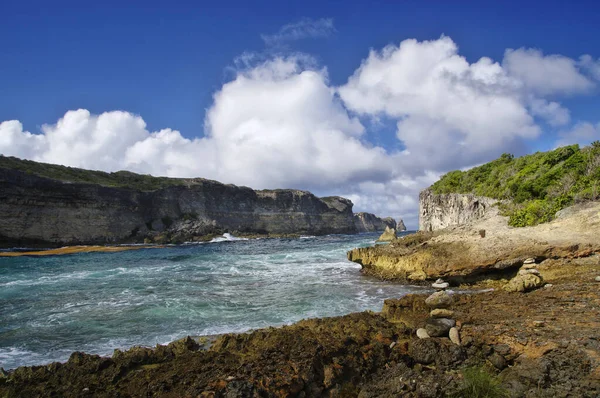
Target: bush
536, 185
477, 383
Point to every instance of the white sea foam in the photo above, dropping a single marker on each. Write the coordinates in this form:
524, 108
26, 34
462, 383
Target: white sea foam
226, 238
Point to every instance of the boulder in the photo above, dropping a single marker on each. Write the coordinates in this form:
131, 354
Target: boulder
439, 299
439, 327
388, 235
524, 283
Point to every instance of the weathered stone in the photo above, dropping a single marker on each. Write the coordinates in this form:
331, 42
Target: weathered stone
422, 333
440, 285
441, 313
439, 299
529, 271
529, 261
539, 324
454, 335
497, 360
529, 266
524, 283
597, 279
424, 351
409, 310
388, 235
439, 327
447, 210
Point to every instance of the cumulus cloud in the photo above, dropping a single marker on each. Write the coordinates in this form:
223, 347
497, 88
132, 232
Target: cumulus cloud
449, 112
552, 112
280, 123
303, 29
589, 64
546, 74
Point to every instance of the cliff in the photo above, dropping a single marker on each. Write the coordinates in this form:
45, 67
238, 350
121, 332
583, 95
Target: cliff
367, 222
449, 210
51, 205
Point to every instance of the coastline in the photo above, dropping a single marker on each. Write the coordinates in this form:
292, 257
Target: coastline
547, 338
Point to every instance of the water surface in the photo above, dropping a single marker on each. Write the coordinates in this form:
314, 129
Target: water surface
96, 302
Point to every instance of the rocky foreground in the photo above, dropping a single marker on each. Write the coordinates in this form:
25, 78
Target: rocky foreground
523, 320
543, 343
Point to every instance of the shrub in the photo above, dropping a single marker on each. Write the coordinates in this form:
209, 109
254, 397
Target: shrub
536, 186
477, 383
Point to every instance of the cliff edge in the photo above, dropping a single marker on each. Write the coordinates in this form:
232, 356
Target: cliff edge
51, 205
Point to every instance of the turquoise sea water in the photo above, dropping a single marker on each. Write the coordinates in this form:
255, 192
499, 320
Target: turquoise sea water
96, 302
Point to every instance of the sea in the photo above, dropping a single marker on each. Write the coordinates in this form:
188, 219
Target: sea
96, 302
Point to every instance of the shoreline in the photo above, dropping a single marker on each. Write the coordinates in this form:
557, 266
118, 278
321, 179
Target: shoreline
516, 338
77, 249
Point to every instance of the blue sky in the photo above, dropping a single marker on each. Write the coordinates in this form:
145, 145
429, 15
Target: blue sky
164, 62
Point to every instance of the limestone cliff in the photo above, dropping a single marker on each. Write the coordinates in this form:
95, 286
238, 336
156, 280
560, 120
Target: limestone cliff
38, 210
449, 210
367, 222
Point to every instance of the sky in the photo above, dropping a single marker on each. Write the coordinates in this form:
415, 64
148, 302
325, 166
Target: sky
372, 100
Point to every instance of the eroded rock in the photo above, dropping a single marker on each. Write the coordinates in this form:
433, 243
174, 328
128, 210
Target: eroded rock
439, 299
524, 283
439, 327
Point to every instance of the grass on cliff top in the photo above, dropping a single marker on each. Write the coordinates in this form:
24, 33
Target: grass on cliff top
534, 186
121, 179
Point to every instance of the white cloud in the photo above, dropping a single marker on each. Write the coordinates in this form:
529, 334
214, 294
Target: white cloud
546, 74
450, 113
279, 123
589, 64
582, 133
554, 113
303, 29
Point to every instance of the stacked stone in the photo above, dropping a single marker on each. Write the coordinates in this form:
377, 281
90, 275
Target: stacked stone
528, 278
440, 322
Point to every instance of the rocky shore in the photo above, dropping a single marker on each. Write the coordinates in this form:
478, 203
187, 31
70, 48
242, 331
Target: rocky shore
542, 343
512, 312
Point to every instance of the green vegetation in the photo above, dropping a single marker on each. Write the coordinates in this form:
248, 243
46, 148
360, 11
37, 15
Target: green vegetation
121, 179
477, 383
534, 187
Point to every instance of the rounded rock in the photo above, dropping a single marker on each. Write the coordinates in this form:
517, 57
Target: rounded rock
439, 327
454, 335
422, 333
597, 279
439, 299
441, 313
530, 260
497, 360
440, 286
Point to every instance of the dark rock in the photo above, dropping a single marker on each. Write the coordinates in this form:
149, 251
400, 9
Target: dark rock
497, 360
423, 351
439, 327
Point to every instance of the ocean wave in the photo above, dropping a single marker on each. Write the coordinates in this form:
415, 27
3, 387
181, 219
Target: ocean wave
226, 238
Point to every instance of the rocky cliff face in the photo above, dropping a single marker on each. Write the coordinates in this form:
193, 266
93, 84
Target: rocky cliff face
36, 210
448, 210
367, 222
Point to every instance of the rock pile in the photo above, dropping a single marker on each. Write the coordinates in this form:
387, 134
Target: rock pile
528, 278
440, 322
